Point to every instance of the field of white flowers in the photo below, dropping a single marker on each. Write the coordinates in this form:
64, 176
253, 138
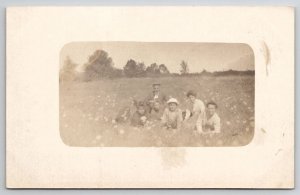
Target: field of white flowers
87, 111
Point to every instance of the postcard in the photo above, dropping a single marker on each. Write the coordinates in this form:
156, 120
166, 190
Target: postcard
150, 97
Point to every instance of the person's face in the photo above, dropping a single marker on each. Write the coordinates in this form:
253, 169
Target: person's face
141, 110
211, 109
172, 107
156, 106
192, 98
156, 88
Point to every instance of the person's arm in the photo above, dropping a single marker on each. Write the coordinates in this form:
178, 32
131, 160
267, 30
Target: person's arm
199, 124
164, 118
202, 108
179, 119
200, 117
217, 125
198, 109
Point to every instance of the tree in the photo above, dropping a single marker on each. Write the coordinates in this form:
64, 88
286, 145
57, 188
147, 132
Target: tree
99, 65
68, 71
163, 69
130, 68
117, 73
184, 68
134, 69
141, 70
152, 69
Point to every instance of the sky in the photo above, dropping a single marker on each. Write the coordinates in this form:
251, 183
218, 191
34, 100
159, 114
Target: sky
199, 56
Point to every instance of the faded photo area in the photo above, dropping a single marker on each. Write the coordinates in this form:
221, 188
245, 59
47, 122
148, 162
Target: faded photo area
156, 94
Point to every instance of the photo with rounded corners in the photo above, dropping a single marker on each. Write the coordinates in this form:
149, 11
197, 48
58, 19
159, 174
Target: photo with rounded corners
156, 94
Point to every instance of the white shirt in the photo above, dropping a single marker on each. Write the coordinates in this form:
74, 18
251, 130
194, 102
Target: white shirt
198, 107
199, 111
213, 123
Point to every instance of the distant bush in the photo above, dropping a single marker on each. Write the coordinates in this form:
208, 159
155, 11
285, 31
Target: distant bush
68, 71
184, 68
101, 66
134, 69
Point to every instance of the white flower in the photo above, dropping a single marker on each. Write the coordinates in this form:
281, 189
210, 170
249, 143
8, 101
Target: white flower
105, 118
121, 131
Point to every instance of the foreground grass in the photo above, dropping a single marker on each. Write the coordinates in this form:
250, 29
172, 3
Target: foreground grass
88, 108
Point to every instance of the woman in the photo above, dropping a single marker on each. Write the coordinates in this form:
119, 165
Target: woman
197, 116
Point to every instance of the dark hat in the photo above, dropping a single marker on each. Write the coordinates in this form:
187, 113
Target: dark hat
191, 92
212, 103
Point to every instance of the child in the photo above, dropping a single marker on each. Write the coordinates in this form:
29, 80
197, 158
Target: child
125, 114
197, 112
140, 117
172, 116
156, 112
212, 123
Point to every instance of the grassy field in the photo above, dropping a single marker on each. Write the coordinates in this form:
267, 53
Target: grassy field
88, 108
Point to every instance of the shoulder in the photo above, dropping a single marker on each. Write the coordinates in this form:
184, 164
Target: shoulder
199, 102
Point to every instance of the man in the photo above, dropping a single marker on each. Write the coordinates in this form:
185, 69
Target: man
212, 123
155, 96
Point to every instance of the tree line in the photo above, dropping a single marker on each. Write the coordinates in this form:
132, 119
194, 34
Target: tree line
101, 66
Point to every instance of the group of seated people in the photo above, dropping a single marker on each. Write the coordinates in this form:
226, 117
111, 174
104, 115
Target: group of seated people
158, 108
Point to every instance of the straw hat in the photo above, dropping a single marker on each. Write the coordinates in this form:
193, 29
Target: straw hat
172, 100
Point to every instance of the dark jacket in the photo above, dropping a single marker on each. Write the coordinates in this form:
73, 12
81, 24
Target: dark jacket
136, 119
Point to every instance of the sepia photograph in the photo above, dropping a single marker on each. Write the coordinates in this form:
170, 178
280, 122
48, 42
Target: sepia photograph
150, 97
156, 94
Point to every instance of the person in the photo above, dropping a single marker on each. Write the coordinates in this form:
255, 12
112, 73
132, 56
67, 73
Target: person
172, 116
155, 95
197, 113
212, 123
156, 112
140, 117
